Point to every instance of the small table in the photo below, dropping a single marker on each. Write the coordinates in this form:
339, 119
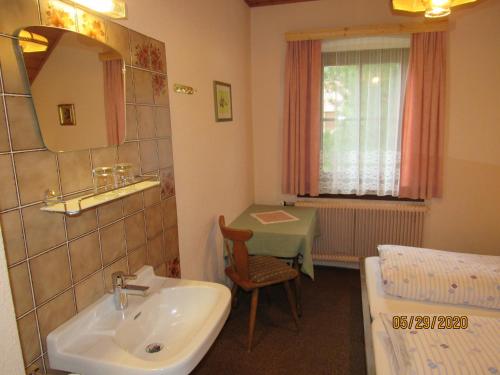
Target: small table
283, 240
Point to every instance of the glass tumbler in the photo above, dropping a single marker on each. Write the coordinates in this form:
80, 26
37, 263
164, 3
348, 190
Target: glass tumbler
123, 174
103, 179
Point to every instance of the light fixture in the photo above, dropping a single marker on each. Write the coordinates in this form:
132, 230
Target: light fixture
31, 42
110, 8
432, 8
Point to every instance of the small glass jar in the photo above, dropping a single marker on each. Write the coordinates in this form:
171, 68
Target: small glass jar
123, 174
103, 179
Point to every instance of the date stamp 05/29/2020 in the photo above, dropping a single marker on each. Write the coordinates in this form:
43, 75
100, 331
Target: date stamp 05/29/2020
430, 322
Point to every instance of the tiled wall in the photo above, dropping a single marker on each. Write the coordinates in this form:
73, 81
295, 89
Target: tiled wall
59, 265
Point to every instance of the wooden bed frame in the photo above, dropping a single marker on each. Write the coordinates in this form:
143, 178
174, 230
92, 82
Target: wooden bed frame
370, 357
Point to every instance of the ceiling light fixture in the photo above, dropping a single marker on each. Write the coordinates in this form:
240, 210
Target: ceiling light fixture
111, 8
432, 8
31, 42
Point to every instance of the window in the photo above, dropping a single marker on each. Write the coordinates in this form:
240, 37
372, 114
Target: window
362, 100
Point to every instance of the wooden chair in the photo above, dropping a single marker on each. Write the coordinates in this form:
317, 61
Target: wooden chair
254, 272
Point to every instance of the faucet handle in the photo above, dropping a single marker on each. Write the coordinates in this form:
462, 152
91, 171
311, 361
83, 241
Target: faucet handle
119, 278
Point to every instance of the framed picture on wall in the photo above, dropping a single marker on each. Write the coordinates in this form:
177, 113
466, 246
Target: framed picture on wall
67, 114
223, 102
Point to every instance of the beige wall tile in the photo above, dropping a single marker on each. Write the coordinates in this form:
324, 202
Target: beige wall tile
13, 237
89, 291
165, 155
133, 203
21, 288
131, 130
55, 313
50, 274
81, 224
161, 270
28, 334
153, 221
36, 368
129, 85
118, 37
162, 121
152, 196
160, 89
8, 196
157, 55
171, 243
113, 242
134, 230
143, 87
129, 153
20, 14
4, 137
137, 259
149, 156
75, 169
169, 208
85, 256
43, 230
156, 254
110, 212
145, 122
120, 265
24, 129
33, 182
58, 14
167, 182
139, 47
91, 25
104, 157
15, 81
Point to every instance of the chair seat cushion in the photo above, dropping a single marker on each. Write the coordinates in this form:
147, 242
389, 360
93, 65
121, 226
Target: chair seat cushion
267, 269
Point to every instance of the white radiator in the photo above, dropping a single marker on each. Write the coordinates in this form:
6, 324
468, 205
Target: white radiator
352, 229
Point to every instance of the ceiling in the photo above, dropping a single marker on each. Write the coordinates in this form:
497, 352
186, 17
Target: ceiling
259, 3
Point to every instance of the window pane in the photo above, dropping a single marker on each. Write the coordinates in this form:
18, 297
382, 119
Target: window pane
361, 138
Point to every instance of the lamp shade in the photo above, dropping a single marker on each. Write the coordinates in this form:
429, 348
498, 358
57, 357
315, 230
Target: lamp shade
432, 8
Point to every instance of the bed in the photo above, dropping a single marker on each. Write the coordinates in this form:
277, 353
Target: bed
379, 353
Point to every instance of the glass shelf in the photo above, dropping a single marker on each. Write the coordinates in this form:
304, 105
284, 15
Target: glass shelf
75, 206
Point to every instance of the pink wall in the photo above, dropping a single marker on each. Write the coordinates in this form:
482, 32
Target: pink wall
467, 217
205, 41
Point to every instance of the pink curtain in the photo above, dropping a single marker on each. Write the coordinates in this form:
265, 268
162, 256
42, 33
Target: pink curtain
114, 101
423, 118
301, 130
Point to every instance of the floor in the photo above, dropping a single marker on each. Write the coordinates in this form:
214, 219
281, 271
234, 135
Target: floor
330, 340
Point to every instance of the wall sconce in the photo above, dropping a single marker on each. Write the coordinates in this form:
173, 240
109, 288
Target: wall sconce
31, 42
111, 8
432, 8
182, 89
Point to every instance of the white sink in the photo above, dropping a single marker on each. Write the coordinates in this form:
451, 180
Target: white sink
180, 317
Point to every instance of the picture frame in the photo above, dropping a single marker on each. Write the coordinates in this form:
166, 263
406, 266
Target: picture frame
223, 102
67, 114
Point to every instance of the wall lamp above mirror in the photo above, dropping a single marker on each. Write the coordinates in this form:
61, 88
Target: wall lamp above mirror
111, 8
78, 88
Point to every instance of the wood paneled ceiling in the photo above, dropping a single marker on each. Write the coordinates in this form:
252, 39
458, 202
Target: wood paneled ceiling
260, 3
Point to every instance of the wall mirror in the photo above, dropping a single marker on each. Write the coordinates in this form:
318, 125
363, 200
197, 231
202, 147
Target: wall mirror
78, 88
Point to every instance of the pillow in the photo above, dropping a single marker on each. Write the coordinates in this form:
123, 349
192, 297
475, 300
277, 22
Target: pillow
472, 350
440, 276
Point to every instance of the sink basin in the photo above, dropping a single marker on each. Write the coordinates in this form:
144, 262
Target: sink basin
167, 332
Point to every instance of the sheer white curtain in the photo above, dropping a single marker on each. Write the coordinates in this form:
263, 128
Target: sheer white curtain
363, 95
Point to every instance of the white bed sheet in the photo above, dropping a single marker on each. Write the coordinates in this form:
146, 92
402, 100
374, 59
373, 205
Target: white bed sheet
384, 303
385, 362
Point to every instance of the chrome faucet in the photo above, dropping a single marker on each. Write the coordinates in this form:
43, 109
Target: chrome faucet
121, 289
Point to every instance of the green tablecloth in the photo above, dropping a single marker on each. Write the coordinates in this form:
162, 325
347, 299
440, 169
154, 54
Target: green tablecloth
286, 240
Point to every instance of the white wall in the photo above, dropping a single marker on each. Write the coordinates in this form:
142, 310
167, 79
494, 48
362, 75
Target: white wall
205, 41
11, 360
467, 217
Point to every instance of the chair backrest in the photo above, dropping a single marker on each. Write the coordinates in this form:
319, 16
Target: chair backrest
238, 252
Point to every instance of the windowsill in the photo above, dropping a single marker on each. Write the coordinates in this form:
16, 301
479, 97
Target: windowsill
363, 197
